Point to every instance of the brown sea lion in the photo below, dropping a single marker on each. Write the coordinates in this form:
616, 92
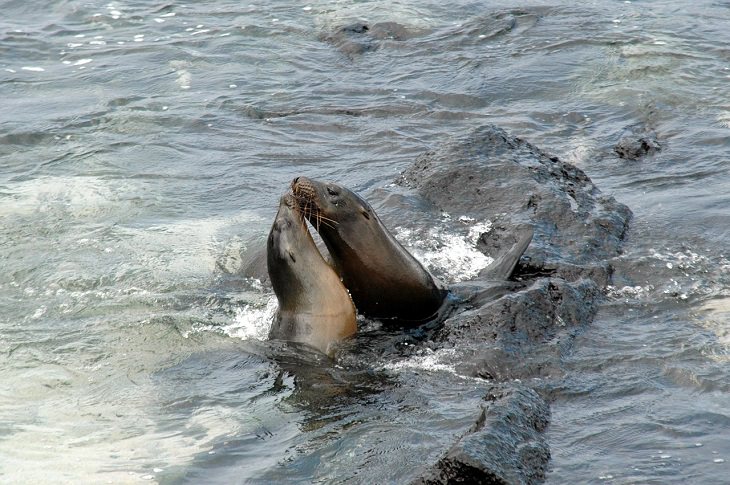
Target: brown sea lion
384, 280
314, 306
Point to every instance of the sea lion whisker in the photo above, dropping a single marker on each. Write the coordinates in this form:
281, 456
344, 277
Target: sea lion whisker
302, 198
327, 222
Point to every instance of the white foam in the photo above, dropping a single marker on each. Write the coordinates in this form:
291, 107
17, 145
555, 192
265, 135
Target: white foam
716, 318
683, 260
39, 312
453, 256
70, 196
628, 292
180, 249
724, 118
427, 360
252, 322
117, 447
32, 68
184, 78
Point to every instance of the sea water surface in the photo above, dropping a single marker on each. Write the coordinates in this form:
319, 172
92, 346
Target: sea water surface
143, 149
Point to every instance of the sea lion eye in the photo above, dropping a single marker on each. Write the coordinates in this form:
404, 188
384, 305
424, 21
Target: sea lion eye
332, 191
366, 214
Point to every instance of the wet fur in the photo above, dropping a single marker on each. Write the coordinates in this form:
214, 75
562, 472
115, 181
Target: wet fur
314, 306
384, 279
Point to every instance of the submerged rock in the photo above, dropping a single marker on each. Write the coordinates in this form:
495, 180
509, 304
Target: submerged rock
505, 445
360, 37
630, 148
637, 142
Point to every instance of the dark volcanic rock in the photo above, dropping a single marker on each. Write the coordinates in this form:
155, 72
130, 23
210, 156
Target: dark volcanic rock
505, 445
352, 39
639, 140
630, 148
521, 330
490, 172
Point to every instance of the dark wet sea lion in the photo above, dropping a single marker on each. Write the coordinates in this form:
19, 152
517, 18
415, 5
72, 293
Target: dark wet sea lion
314, 306
384, 280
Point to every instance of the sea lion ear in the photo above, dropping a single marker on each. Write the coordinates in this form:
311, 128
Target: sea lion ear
366, 214
292, 257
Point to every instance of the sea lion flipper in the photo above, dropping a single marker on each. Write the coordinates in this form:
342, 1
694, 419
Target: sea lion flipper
504, 265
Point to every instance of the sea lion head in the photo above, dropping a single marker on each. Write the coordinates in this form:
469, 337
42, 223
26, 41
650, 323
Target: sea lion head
289, 250
286, 230
331, 207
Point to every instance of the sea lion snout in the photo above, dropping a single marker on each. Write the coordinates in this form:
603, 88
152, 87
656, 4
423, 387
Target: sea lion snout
288, 200
303, 188
282, 223
286, 216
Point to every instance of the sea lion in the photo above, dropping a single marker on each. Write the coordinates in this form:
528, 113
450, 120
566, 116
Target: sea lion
314, 306
384, 280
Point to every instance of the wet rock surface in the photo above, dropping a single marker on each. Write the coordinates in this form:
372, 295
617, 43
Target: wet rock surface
512, 418
361, 37
512, 332
637, 142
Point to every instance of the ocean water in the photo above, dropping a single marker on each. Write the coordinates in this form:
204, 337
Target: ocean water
143, 149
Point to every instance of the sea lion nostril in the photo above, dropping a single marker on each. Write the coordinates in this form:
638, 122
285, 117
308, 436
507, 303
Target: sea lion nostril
303, 188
